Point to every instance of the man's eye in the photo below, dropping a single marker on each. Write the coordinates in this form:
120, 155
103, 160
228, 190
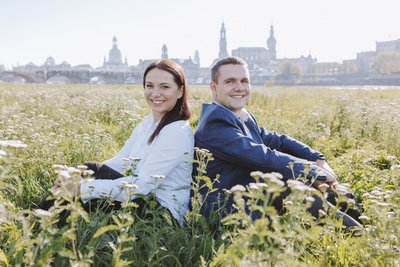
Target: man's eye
149, 86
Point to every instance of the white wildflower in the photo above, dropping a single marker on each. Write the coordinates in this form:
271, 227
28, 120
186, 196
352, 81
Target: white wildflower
391, 214
42, 213
277, 175
364, 217
127, 185
321, 213
310, 199
395, 167
64, 174
351, 202
82, 167
366, 195
288, 203
391, 158
158, 177
238, 188
376, 192
277, 182
384, 204
256, 174
254, 186
58, 166
87, 173
13, 143
323, 187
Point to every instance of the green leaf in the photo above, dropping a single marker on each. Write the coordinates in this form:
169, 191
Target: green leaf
3, 258
105, 229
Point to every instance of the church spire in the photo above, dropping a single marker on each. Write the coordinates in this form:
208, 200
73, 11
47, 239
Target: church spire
196, 57
223, 51
164, 52
271, 42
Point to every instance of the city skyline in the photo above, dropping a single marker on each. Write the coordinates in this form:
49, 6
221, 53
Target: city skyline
81, 32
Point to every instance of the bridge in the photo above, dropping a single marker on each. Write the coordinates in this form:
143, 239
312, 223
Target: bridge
70, 76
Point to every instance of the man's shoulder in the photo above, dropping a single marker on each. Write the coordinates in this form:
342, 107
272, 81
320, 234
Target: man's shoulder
211, 111
215, 121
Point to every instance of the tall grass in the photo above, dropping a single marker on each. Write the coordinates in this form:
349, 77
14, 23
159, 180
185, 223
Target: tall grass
356, 129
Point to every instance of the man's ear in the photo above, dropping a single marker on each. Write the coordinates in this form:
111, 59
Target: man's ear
213, 86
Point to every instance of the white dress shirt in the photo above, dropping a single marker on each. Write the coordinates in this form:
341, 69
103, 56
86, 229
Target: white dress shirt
169, 155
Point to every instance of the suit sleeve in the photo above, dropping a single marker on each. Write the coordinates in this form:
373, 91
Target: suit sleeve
226, 140
288, 145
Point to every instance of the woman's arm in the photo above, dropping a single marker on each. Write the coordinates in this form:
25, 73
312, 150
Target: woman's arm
170, 148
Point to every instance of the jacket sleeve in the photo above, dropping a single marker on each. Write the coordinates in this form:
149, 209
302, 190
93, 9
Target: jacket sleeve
288, 145
224, 138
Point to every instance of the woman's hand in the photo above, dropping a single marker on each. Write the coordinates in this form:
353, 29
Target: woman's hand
70, 186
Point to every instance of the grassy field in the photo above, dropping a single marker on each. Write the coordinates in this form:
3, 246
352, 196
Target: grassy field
356, 129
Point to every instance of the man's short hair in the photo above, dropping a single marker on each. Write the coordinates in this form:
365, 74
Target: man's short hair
225, 61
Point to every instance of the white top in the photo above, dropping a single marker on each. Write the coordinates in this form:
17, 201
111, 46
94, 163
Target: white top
170, 155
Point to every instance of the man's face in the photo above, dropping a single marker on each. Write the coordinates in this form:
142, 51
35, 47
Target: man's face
232, 89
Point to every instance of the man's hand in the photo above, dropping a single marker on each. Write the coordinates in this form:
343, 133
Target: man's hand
324, 165
327, 171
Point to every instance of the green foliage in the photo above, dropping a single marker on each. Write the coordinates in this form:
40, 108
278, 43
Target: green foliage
356, 129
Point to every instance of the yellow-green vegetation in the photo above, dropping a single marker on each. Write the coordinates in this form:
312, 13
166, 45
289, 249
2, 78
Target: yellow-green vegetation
67, 125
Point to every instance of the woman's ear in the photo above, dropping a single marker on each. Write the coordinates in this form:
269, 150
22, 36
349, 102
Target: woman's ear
180, 92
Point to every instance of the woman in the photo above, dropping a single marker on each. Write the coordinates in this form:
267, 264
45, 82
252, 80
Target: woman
163, 142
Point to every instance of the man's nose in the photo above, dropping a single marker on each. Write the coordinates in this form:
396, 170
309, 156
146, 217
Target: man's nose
239, 86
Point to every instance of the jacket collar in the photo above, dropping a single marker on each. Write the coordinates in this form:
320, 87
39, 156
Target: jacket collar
244, 114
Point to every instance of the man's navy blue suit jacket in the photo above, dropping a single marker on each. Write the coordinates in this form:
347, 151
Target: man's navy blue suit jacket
237, 153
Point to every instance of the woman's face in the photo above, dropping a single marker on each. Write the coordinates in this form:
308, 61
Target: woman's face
161, 92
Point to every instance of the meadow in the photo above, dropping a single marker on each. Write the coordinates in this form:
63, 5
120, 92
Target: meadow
48, 128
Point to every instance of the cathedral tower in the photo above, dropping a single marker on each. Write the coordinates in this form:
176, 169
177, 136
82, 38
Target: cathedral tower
223, 52
164, 52
196, 57
271, 43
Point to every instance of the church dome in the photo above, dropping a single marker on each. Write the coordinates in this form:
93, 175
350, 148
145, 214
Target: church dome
50, 62
114, 56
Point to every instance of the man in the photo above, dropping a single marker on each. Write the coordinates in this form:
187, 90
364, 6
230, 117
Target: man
239, 146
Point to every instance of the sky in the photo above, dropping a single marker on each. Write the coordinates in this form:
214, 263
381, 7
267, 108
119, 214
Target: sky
81, 31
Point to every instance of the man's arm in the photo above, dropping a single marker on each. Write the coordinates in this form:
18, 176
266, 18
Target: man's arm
288, 145
222, 136
296, 148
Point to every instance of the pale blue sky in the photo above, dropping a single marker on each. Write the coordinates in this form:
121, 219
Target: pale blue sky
81, 31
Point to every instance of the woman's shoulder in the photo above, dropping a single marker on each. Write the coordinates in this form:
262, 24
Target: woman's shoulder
178, 129
180, 125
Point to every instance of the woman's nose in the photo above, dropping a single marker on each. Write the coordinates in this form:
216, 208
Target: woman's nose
156, 92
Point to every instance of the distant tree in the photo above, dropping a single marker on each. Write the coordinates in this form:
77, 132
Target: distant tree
289, 72
386, 63
2, 68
